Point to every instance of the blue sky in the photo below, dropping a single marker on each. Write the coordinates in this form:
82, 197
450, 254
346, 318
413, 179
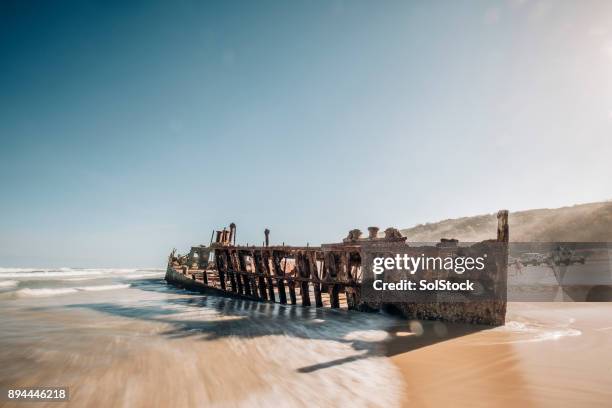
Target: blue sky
129, 129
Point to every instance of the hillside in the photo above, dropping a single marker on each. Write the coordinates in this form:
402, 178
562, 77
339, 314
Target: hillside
579, 223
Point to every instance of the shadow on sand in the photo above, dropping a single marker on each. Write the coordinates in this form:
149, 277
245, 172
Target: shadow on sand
206, 317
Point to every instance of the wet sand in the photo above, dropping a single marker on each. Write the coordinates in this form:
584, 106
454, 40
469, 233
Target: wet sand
548, 355
151, 345
130, 340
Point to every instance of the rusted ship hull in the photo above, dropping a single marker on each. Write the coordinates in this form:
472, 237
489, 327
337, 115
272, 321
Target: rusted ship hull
187, 282
335, 275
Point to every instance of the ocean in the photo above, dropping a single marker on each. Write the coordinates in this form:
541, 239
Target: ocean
124, 338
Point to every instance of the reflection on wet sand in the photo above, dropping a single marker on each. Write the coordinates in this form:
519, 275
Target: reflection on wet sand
151, 345
547, 355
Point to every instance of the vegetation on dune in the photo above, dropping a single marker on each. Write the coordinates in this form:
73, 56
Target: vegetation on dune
579, 223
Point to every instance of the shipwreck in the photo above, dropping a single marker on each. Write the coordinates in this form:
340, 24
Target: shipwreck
337, 275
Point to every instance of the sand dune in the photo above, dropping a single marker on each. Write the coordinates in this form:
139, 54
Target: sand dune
578, 223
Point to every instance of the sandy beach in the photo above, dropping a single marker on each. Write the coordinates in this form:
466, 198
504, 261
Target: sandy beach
131, 341
292, 204
124, 338
547, 355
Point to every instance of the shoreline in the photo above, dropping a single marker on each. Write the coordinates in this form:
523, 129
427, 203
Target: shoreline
548, 354
213, 350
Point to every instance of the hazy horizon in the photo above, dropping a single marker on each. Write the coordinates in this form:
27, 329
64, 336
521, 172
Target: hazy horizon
127, 130
161, 264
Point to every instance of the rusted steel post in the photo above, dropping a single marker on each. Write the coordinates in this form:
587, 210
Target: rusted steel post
502, 226
235, 266
301, 263
251, 274
243, 272
265, 255
353, 290
347, 277
334, 297
312, 262
332, 276
220, 268
290, 283
224, 258
345, 267
232, 234
259, 270
278, 271
292, 296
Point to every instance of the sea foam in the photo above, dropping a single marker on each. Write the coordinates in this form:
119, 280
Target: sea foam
26, 273
44, 292
533, 332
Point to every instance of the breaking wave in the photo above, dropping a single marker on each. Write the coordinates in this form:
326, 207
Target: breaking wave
144, 275
103, 287
533, 332
8, 284
333, 352
25, 273
29, 292
43, 292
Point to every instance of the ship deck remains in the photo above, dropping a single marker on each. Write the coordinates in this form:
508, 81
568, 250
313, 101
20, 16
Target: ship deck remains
330, 275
